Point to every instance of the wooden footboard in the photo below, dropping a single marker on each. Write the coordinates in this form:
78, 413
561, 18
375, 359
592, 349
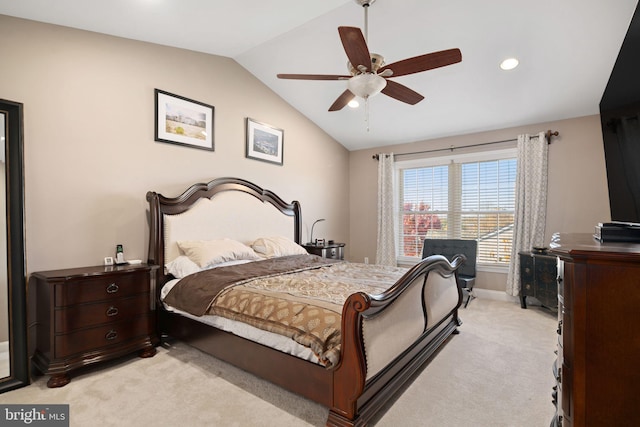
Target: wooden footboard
404, 325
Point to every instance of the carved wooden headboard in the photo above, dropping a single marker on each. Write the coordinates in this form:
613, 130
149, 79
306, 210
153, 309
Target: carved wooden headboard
225, 207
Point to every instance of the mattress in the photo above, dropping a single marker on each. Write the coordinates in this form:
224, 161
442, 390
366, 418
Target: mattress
269, 339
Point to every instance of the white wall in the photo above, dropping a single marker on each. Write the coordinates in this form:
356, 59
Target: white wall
577, 186
90, 154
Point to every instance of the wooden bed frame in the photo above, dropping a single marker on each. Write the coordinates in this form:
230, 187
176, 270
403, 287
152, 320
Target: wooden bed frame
352, 398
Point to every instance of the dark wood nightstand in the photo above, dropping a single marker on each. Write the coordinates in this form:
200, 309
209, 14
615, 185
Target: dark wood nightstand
329, 250
92, 314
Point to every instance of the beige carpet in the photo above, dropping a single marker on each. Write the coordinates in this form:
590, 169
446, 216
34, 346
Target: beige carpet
496, 372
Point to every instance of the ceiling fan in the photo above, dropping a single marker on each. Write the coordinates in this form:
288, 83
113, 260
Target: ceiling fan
368, 73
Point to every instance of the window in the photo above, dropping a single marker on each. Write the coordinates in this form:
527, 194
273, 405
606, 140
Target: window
458, 197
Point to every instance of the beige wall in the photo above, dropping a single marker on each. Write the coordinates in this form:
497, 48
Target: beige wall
90, 155
577, 188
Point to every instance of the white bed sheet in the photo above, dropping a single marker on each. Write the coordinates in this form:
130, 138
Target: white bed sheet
269, 339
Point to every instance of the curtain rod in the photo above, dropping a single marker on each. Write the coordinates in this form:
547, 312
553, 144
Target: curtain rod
548, 134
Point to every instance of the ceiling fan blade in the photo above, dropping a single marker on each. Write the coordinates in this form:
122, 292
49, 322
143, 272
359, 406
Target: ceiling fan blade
425, 62
355, 46
313, 77
342, 100
402, 93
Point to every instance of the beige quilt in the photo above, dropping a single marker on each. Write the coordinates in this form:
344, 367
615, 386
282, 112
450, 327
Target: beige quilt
304, 302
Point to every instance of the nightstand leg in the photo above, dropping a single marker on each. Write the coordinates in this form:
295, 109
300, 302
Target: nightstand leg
60, 380
148, 352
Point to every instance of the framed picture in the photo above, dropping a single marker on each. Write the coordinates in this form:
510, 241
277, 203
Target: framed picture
183, 121
264, 142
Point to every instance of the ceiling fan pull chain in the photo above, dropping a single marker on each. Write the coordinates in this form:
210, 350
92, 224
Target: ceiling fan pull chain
366, 112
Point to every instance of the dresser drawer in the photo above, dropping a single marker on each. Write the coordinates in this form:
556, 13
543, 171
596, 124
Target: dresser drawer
93, 339
100, 288
86, 315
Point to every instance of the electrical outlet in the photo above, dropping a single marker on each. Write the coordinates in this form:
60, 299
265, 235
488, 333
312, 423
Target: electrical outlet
366, 260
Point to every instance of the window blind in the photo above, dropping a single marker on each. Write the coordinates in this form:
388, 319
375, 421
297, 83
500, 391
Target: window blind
460, 199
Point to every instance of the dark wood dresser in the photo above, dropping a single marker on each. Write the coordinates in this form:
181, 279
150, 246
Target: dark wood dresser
538, 273
91, 314
597, 372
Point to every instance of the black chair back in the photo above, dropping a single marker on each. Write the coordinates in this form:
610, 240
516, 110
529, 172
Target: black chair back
451, 247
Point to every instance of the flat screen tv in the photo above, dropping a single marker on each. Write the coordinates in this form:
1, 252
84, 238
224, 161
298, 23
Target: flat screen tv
620, 118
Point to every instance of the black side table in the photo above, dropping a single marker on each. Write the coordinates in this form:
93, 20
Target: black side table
538, 278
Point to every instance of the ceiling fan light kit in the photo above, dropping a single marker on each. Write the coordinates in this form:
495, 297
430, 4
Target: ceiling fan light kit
366, 85
368, 73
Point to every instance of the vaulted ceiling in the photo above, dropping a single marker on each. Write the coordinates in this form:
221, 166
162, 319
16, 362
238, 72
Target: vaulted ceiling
566, 51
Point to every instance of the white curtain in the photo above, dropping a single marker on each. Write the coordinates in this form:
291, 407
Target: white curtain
531, 203
386, 247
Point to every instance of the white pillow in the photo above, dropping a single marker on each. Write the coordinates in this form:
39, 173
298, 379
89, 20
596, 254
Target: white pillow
277, 246
182, 266
209, 252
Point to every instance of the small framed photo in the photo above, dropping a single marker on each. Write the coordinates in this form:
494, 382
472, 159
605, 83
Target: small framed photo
264, 142
183, 121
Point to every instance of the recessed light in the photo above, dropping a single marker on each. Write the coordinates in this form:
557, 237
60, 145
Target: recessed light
353, 103
509, 64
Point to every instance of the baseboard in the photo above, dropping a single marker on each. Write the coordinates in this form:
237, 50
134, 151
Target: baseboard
494, 295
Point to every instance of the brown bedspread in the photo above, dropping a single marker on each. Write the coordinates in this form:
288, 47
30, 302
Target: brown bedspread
300, 297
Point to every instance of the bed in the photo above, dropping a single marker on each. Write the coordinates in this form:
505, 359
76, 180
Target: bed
383, 337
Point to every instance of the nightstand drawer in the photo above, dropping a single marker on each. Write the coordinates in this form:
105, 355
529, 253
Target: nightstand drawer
87, 315
93, 339
100, 288
332, 251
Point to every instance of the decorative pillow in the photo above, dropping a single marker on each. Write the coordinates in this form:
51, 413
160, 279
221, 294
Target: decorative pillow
208, 252
277, 246
182, 266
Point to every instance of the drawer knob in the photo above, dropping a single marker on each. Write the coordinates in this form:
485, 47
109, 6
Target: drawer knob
111, 335
112, 288
112, 311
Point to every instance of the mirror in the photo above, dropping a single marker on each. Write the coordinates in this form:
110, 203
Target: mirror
4, 290
14, 364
